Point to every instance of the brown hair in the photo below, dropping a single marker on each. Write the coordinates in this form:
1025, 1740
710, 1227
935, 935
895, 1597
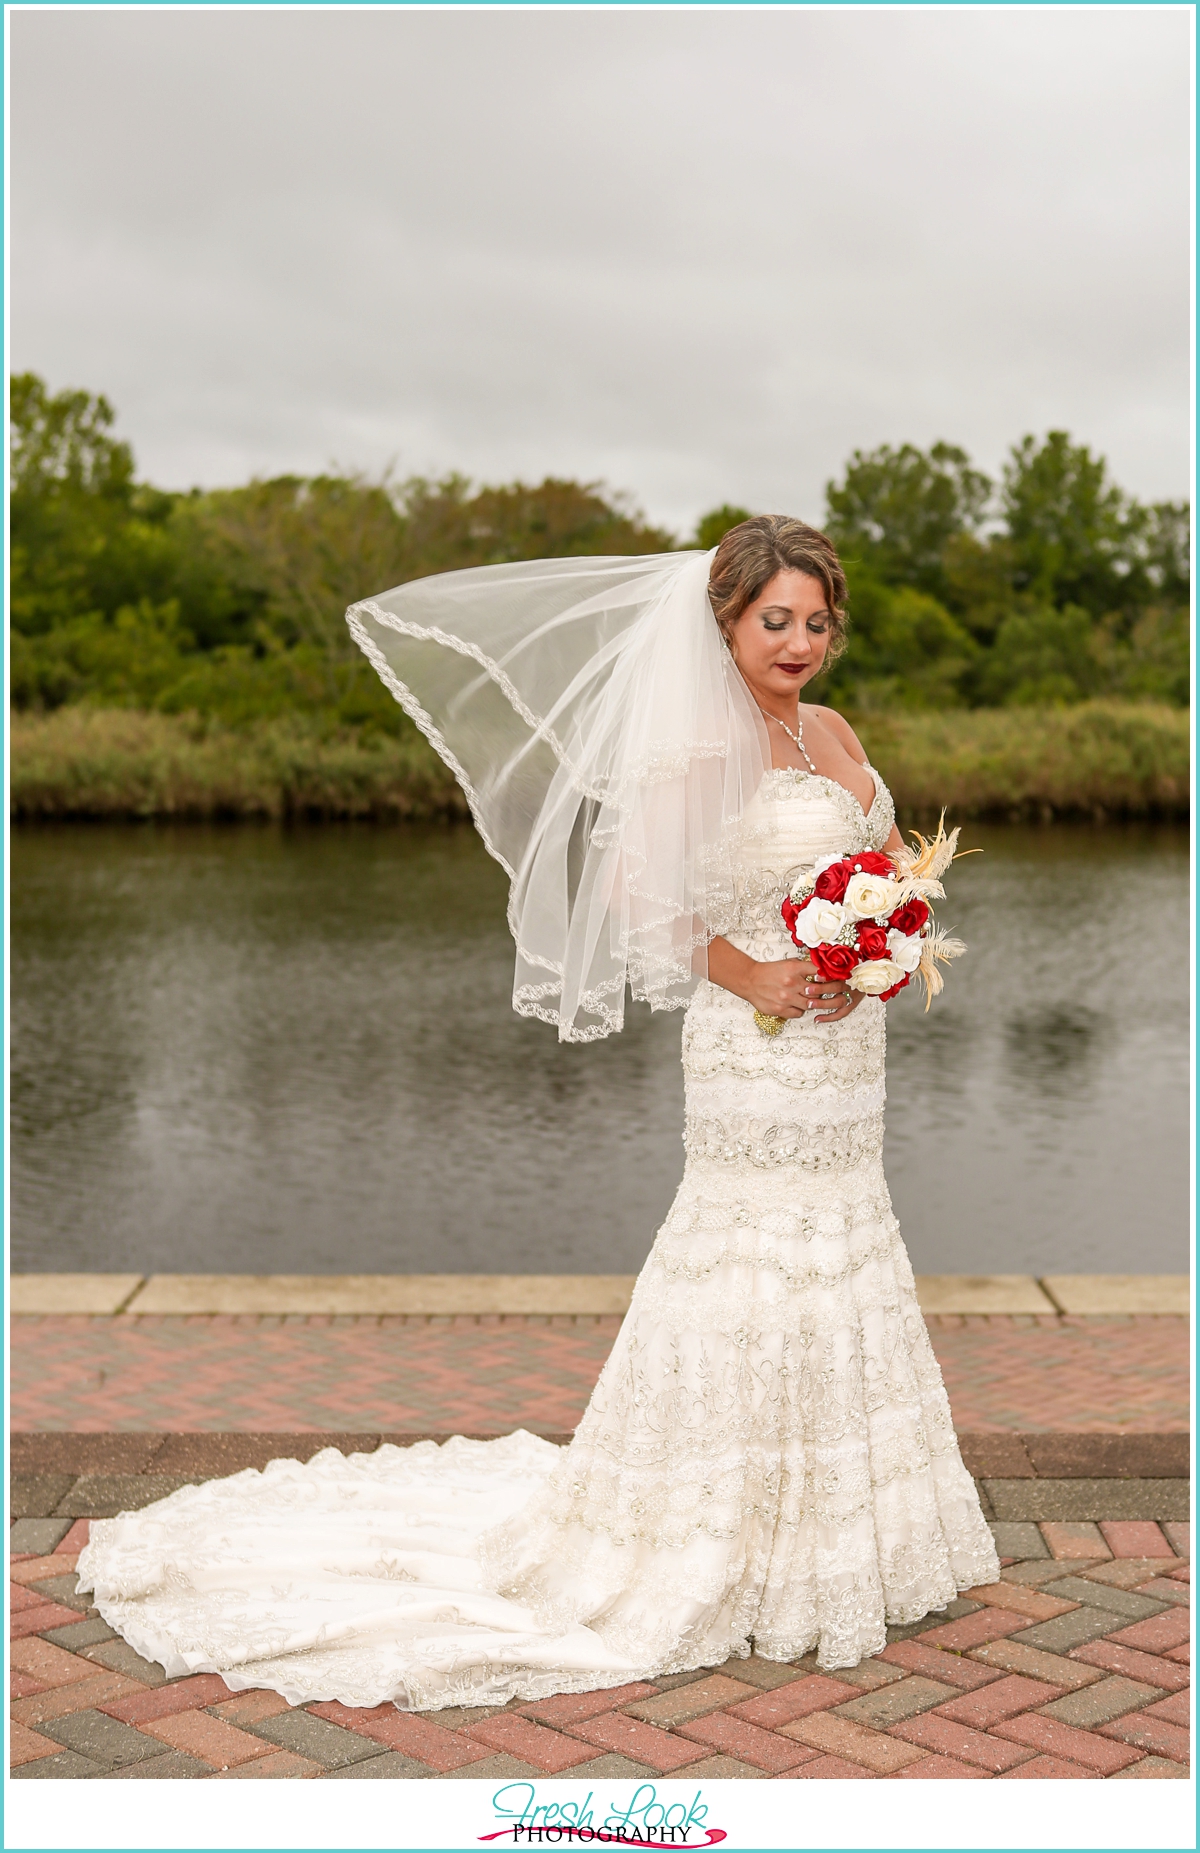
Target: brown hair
751, 554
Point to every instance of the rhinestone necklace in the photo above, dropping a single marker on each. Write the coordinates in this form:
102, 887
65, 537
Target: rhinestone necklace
796, 738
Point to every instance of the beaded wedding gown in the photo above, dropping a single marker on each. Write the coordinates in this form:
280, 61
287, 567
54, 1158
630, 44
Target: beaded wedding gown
767, 1459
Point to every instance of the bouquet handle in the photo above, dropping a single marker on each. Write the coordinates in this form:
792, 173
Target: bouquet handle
770, 1026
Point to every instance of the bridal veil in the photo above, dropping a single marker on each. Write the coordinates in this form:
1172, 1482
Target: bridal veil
607, 746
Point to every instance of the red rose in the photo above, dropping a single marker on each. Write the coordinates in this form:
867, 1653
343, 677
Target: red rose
836, 961
910, 917
872, 941
872, 863
789, 911
833, 881
884, 995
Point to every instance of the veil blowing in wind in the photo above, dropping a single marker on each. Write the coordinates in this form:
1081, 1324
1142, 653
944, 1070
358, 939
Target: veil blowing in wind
607, 746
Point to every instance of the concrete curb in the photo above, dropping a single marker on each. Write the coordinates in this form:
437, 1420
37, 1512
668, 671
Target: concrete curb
443, 1295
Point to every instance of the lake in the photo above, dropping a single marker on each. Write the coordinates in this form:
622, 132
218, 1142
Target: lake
259, 1050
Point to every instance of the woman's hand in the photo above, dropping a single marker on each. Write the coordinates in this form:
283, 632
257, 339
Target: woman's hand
831, 998
780, 987
794, 987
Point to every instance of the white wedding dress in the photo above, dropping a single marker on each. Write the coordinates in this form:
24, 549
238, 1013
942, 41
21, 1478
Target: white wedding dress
767, 1459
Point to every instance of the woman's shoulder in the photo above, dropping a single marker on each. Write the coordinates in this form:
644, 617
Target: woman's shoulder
841, 730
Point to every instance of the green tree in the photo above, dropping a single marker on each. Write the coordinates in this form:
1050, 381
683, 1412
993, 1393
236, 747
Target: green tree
1043, 657
1076, 539
264, 575
1164, 550
896, 510
64, 441
83, 536
712, 528
1157, 664
450, 524
232, 602
978, 574
906, 650
283, 558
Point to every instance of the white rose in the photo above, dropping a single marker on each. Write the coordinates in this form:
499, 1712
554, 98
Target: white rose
826, 862
820, 922
905, 950
869, 895
875, 975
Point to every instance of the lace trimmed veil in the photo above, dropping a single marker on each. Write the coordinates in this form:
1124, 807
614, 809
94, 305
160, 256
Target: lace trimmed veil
607, 746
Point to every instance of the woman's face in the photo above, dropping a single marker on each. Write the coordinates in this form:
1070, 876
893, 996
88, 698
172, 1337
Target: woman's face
780, 641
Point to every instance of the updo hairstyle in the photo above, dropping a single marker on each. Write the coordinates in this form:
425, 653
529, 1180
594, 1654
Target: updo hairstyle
751, 554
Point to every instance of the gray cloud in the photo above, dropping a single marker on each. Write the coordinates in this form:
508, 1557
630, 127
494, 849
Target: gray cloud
699, 254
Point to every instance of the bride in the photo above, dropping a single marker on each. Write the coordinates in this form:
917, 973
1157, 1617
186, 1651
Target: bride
767, 1461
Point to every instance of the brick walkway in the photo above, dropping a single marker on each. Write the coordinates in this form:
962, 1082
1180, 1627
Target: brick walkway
1073, 1666
489, 1374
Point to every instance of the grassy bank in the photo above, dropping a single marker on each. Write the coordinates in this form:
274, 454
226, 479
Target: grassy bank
1098, 759
93, 762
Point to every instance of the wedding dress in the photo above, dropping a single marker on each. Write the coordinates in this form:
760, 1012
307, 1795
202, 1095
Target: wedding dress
767, 1460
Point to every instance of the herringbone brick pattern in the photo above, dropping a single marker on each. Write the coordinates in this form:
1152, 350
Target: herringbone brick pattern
973, 1693
490, 1374
485, 1374
1094, 1373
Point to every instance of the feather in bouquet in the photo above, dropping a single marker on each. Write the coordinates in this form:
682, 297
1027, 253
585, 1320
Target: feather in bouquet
865, 919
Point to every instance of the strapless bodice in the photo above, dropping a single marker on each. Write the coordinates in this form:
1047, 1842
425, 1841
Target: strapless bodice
795, 817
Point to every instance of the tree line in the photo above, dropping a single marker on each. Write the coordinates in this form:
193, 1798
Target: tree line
1049, 587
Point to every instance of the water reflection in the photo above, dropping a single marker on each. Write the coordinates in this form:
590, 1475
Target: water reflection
1041, 1120
255, 1050
1056, 1051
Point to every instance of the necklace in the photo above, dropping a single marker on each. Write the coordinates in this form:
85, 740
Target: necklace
796, 738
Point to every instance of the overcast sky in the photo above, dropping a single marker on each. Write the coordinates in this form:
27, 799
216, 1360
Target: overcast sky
700, 255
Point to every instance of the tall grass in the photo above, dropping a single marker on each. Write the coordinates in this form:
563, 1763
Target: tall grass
94, 762
1102, 758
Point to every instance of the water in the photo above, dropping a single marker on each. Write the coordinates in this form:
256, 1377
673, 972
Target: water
262, 1051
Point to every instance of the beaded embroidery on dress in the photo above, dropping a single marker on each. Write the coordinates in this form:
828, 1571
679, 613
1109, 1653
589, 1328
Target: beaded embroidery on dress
767, 1460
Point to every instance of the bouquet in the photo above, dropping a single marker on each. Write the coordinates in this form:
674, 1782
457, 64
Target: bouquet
865, 919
